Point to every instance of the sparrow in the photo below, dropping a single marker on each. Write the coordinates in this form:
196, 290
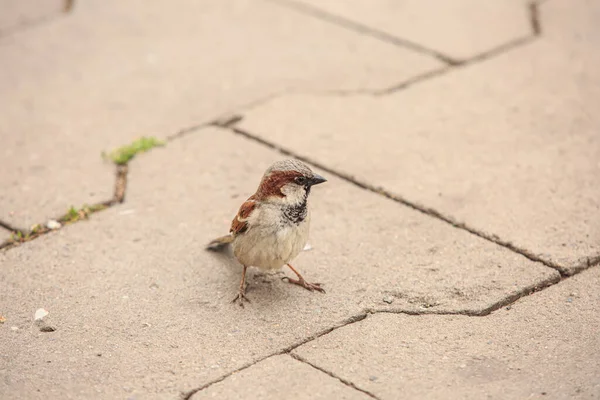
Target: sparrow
271, 227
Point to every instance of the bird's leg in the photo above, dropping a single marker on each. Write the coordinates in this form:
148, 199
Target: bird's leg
241, 296
302, 282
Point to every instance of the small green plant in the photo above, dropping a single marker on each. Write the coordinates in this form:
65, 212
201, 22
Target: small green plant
17, 236
37, 228
74, 214
124, 154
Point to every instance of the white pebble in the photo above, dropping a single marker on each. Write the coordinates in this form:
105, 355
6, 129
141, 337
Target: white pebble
40, 314
52, 224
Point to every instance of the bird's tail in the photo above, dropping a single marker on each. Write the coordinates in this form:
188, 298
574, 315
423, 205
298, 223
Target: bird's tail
220, 243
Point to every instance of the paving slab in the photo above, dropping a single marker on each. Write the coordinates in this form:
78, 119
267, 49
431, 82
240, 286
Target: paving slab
141, 309
546, 346
280, 377
460, 29
504, 146
4, 235
20, 14
113, 71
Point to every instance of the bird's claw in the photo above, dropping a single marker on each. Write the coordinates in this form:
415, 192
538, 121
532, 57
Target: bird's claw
240, 297
306, 285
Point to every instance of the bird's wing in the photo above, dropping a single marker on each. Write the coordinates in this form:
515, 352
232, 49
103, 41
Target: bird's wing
240, 222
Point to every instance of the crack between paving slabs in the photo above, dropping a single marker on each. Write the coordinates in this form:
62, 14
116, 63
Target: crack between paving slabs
536, 31
364, 29
503, 48
19, 237
10, 228
67, 7
286, 350
331, 374
506, 301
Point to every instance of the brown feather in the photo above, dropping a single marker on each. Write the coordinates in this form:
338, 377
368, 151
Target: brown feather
271, 184
220, 243
239, 223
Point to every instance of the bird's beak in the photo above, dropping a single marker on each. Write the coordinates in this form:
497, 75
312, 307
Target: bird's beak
316, 179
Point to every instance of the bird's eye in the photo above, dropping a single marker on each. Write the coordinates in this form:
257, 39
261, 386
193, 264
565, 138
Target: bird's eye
301, 180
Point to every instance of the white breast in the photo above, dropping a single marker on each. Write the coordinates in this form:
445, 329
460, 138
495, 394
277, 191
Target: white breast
268, 243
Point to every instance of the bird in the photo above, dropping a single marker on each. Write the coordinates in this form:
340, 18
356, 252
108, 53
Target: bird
271, 227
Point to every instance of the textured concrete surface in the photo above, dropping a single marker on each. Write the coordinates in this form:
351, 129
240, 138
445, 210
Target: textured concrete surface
135, 285
4, 234
545, 346
463, 28
22, 14
415, 307
112, 71
281, 377
510, 146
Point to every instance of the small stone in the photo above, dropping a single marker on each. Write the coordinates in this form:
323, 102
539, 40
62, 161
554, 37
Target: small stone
53, 224
14, 328
372, 378
570, 300
2, 319
47, 328
388, 299
40, 314
308, 247
153, 286
508, 307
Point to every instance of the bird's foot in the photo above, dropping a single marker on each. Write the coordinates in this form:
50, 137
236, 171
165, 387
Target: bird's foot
306, 285
240, 298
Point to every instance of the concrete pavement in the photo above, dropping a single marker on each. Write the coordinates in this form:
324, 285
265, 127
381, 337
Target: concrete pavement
457, 236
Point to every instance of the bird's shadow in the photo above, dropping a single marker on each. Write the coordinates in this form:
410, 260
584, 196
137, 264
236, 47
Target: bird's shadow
261, 285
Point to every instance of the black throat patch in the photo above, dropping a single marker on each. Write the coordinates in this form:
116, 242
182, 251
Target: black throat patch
297, 213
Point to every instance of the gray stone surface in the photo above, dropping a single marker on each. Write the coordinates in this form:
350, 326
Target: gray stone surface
545, 347
509, 146
112, 71
19, 14
280, 377
142, 310
459, 28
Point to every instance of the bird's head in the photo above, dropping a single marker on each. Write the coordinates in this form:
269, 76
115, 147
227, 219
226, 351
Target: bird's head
288, 182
